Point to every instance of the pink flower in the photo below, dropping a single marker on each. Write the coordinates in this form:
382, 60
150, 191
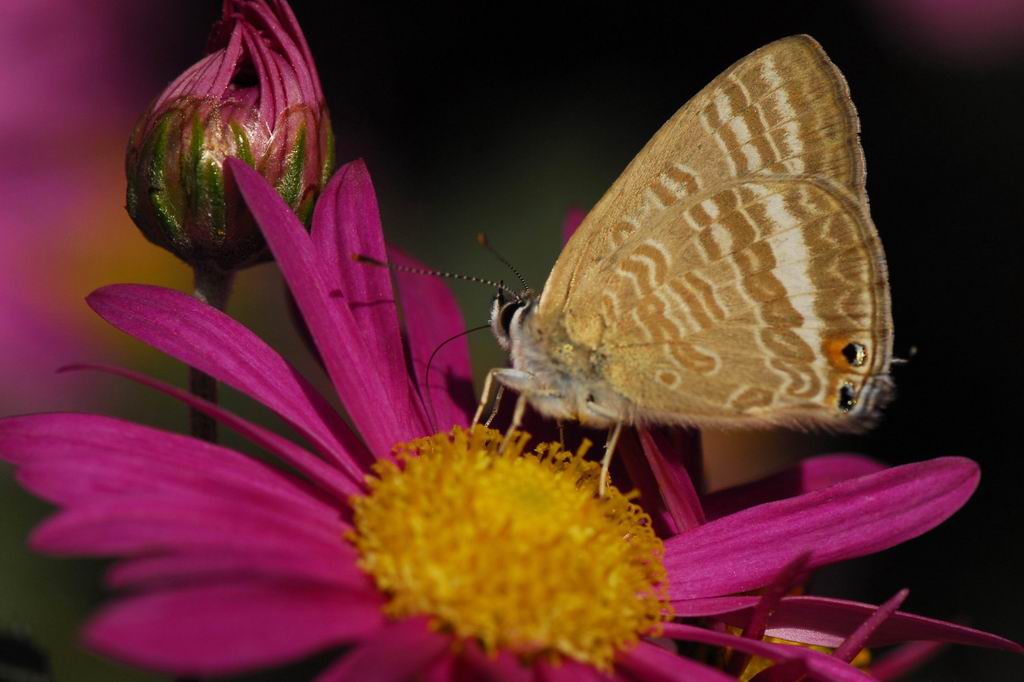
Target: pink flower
824, 510
233, 564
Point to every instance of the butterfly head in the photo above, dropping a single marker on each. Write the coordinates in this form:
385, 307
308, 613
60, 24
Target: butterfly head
508, 313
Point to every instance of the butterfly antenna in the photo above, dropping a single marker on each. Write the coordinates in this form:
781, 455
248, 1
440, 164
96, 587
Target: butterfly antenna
394, 267
911, 352
430, 361
481, 239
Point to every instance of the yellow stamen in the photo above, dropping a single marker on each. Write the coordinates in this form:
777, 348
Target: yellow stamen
513, 550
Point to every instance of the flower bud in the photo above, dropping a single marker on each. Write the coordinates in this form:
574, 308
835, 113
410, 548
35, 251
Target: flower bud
255, 96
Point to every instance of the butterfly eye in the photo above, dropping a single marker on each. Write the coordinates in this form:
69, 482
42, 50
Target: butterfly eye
506, 313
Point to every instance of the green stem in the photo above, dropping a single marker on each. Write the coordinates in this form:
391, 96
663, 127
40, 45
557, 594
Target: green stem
212, 286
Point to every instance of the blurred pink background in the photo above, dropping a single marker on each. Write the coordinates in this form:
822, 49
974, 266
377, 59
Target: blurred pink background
72, 89
974, 31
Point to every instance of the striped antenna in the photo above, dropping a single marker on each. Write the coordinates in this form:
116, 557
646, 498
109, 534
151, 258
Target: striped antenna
481, 239
368, 260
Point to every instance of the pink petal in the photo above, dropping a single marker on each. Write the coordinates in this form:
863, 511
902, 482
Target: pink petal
432, 318
766, 605
234, 566
346, 222
573, 217
710, 606
334, 482
81, 484
443, 670
340, 341
742, 551
279, 28
904, 659
187, 523
819, 666
666, 461
646, 662
473, 664
398, 652
273, 96
633, 458
75, 459
209, 340
811, 474
852, 645
291, 26
827, 622
228, 629
568, 670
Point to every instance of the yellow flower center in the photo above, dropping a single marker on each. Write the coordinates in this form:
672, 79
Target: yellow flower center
512, 549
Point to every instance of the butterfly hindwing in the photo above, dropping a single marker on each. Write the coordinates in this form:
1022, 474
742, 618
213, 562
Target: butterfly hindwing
774, 309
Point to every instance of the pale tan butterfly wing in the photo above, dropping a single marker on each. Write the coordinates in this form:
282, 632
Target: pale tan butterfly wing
733, 271
776, 309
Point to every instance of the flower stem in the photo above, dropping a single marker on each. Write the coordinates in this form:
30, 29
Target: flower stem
212, 286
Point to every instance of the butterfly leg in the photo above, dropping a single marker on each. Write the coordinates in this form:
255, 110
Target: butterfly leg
497, 404
484, 395
606, 462
517, 420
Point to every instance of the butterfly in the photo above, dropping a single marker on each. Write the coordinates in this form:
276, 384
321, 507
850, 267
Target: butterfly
730, 277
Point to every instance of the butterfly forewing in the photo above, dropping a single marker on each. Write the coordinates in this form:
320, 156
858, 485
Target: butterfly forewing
733, 271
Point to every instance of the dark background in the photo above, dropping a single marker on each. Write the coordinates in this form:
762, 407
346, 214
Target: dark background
499, 118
